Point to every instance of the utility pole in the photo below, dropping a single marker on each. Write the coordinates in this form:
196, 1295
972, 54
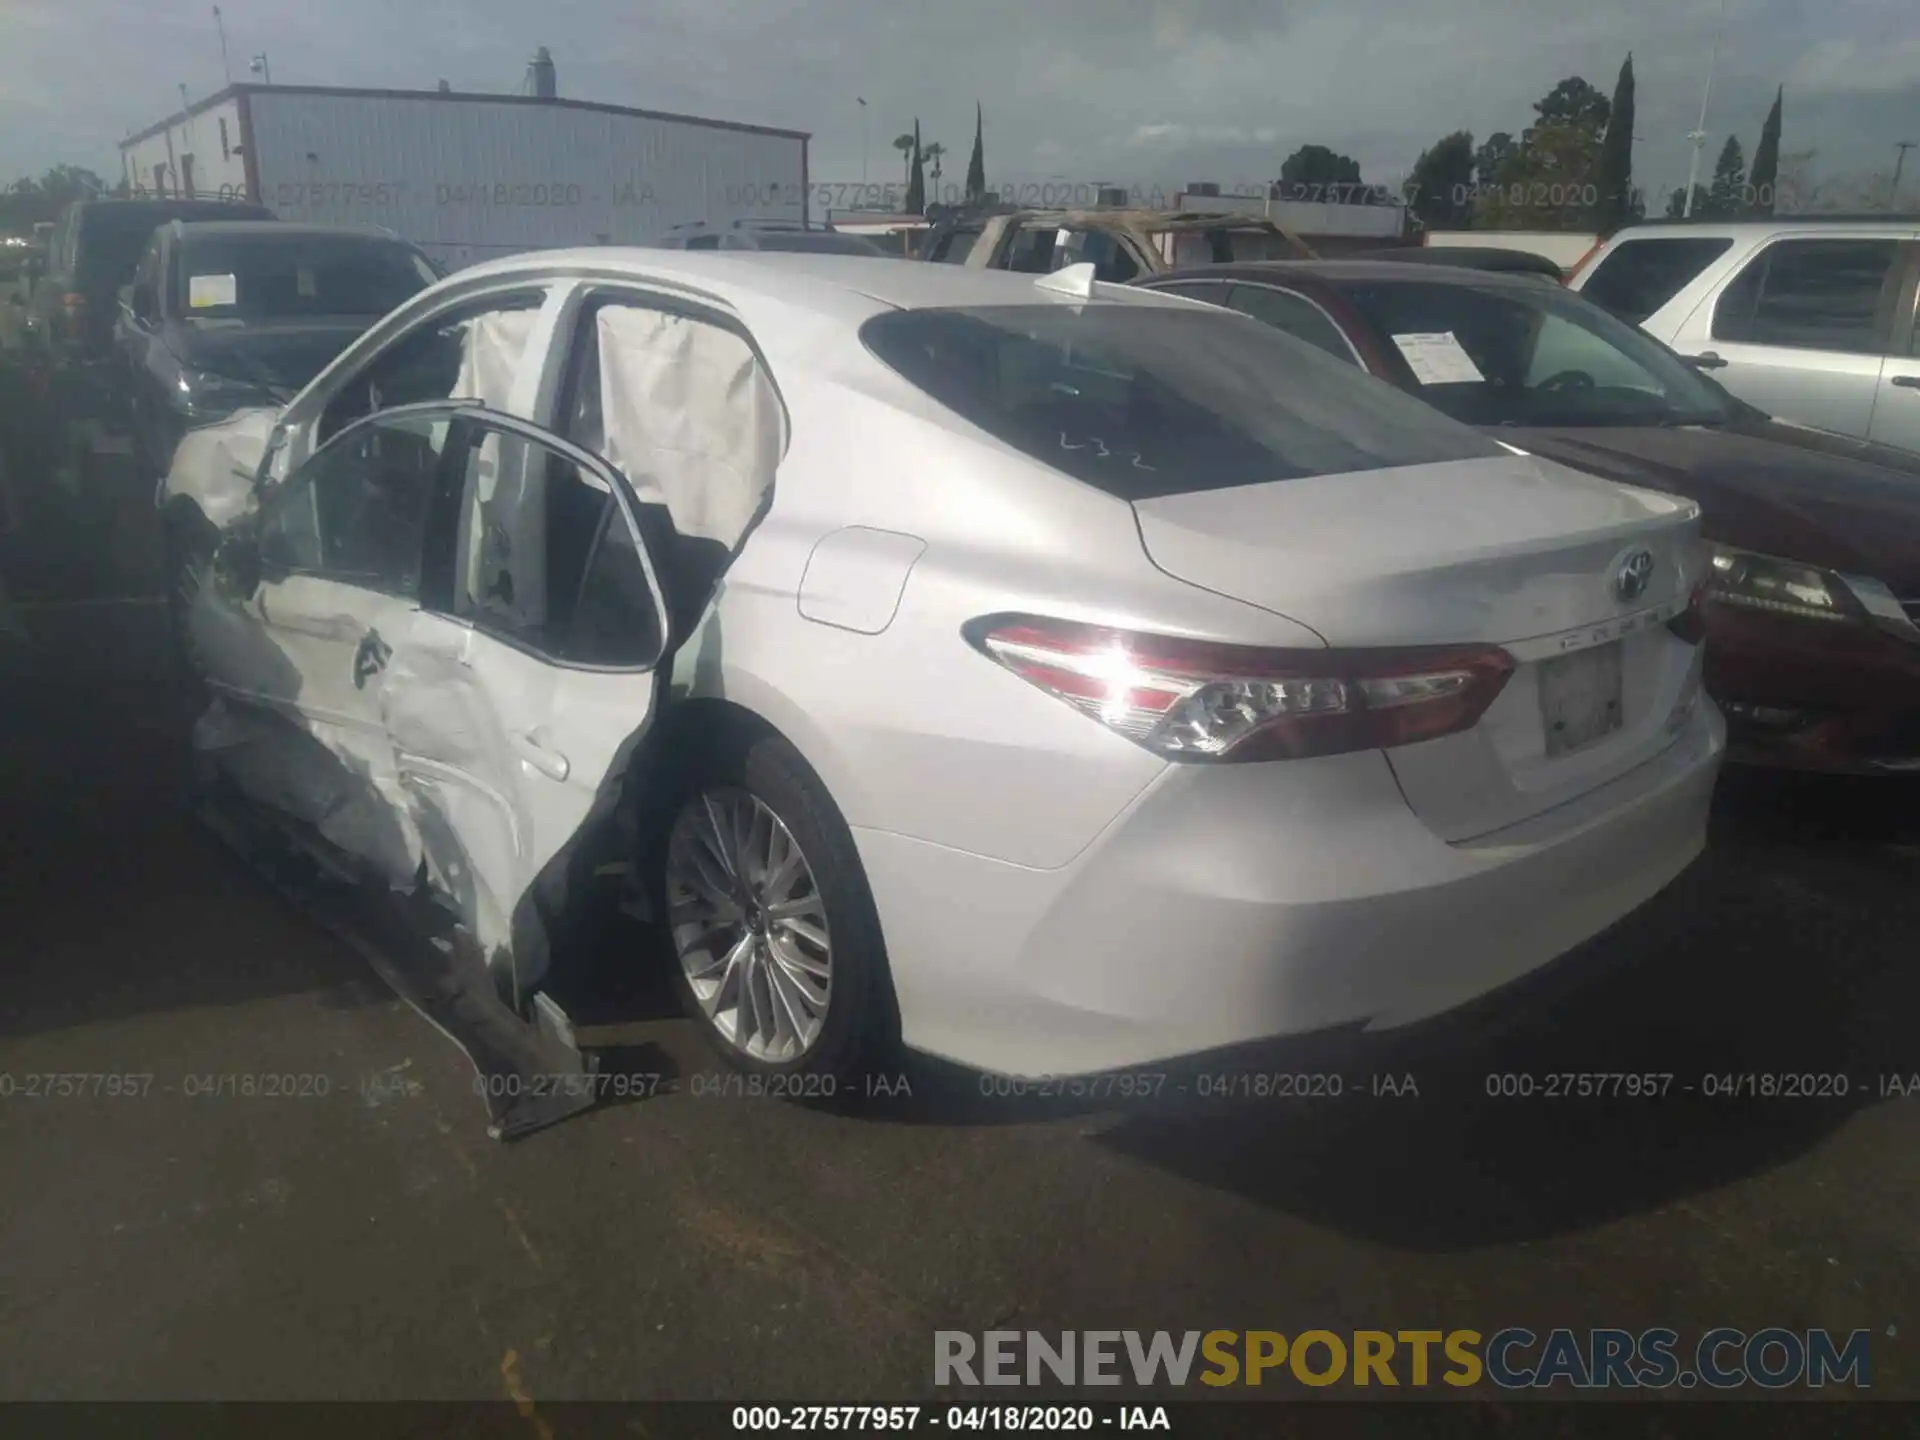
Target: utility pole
1699, 134
221, 26
1899, 164
861, 100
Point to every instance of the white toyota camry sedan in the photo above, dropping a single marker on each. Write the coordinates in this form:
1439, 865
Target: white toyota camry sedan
1047, 676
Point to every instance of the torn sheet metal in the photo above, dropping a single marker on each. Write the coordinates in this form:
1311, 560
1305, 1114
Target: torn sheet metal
529, 1074
215, 466
278, 763
445, 736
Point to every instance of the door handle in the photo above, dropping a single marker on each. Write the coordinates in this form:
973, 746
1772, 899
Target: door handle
1907, 382
550, 763
1706, 360
369, 659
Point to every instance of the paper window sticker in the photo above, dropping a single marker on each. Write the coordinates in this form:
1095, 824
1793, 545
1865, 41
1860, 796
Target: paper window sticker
1436, 358
206, 291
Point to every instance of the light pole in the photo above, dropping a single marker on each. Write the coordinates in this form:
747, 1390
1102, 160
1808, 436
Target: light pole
220, 25
1699, 134
259, 67
1899, 164
861, 101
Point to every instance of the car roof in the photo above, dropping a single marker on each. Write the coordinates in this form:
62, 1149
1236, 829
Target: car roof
245, 210
1468, 257
1338, 272
228, 229
847, 287
1645, 229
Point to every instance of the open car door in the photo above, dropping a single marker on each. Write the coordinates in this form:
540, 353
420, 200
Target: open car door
524, 686
496, 692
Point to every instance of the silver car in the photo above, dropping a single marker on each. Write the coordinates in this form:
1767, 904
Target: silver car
1049, 676
1809, 318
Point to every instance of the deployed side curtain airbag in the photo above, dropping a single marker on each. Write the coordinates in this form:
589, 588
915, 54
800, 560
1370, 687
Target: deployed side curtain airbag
502, 539
490, 352
690, 417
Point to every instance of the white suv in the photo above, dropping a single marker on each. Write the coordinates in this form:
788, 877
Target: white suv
1809, 318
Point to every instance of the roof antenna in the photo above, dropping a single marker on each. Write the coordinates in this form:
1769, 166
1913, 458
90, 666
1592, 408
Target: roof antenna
1074, 280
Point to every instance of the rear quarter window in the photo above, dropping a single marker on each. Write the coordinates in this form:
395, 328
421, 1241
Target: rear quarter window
1144, 401
1642, 275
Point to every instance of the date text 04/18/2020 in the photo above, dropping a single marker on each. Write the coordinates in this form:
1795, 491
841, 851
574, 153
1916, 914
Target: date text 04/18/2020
1714, 1085
1214, 1085
900, 1419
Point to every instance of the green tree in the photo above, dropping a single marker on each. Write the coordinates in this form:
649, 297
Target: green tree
1313, 172
977, 162
1574, 102
1547, 184
1764, 179
1677, 201
1726, 196
28, 201
909, 148
1613, 174
1547, 181
1440, 189
934, 154
1492, 156
917, 175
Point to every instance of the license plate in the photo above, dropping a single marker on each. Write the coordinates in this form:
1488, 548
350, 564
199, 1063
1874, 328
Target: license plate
1580, 698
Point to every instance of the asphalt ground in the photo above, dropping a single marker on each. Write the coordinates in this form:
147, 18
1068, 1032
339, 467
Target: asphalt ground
361, 1238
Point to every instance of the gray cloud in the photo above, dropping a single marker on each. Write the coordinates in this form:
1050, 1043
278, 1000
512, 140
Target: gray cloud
1148, 92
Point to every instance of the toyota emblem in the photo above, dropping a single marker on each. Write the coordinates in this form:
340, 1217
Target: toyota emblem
1631, 579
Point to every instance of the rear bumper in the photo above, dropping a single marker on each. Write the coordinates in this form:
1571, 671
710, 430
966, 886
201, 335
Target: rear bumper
1238, 905
1814, 695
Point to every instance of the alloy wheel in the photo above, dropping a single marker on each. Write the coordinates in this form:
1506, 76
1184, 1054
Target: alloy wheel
749, 925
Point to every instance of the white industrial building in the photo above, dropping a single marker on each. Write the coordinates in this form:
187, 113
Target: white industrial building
470, 176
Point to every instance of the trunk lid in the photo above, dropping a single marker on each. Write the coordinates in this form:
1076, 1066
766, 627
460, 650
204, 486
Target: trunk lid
1515, 552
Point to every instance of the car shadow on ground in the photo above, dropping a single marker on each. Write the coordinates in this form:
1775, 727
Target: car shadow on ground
118, 903
1786, 950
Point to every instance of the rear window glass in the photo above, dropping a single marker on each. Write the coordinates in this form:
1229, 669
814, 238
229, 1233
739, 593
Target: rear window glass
1143, 401
281, 273
113, 235
1642, 275
954, 247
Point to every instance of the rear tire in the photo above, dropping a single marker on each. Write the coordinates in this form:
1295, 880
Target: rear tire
749, 969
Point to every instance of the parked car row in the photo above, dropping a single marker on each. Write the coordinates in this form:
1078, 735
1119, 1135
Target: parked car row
1044, 673
223, 315
1811, 321
1049, 676
1814, 613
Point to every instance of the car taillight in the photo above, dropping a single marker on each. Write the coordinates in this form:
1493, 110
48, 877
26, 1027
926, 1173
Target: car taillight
1197, 700
1584, 261
1691, 623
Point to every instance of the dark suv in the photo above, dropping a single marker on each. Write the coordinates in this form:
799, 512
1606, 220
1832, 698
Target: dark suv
95, 246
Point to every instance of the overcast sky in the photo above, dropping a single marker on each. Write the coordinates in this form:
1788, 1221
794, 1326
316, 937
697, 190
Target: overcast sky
1142, 92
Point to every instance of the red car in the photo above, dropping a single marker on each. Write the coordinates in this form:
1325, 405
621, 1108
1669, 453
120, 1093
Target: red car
1814, 614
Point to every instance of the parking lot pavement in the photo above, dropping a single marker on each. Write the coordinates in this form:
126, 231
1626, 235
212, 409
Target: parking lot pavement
370, 1242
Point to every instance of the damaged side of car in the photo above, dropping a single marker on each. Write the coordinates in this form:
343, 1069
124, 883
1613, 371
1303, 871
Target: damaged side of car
435, 635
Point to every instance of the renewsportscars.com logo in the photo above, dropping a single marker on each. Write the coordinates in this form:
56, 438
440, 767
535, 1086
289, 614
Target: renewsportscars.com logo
1511, 1359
